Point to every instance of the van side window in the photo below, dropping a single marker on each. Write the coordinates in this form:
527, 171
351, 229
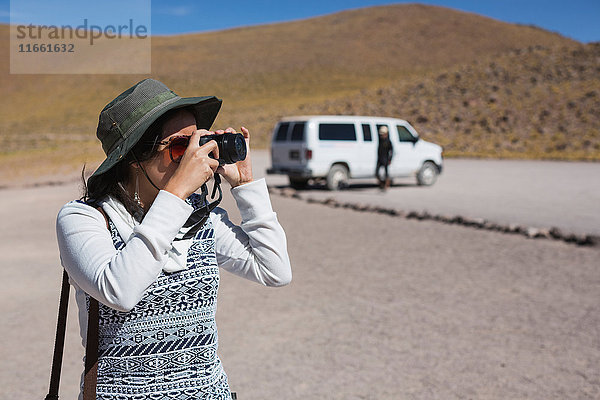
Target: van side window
281, 134
404, 134
337, 132
366, 128
298, 132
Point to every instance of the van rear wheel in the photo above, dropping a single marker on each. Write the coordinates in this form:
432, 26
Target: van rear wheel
337, 178
298, 183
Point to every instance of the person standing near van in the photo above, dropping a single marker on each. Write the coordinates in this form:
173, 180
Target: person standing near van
385, 152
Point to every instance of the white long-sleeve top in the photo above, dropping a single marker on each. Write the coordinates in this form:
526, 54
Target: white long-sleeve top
255, 250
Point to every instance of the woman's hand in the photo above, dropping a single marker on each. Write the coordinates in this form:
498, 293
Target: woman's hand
195, 168
240, 172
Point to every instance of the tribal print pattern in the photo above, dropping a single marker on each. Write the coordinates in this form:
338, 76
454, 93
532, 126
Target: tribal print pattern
166, 346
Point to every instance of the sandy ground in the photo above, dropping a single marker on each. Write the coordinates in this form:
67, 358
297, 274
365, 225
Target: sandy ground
379, 308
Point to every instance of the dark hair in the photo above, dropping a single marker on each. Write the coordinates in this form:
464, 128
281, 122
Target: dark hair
112, 182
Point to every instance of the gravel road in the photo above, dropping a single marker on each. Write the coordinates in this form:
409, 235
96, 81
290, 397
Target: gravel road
541, 194
379, 308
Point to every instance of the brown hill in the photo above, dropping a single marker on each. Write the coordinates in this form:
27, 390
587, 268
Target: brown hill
532, 103
261, 72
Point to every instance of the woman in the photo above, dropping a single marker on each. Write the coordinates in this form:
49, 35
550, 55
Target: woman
125, 244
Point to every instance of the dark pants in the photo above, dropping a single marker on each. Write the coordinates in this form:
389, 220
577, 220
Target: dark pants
385, 168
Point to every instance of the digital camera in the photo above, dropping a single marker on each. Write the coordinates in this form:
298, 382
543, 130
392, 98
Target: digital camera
232, 146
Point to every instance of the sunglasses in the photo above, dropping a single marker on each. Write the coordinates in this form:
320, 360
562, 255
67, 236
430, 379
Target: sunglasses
176, 146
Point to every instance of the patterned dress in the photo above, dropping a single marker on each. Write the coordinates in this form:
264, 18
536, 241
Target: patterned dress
166, 346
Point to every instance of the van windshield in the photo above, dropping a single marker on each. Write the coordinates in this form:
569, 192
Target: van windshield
404, 134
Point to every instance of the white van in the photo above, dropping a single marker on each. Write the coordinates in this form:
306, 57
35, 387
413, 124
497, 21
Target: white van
336, 148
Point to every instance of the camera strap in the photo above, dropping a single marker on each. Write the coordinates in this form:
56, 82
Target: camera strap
199, 216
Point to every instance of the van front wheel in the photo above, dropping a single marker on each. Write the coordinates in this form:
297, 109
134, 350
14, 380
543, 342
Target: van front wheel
427, 175
337, 178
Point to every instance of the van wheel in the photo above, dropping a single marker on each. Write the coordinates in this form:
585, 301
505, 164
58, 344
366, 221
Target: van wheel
337, 178
298, 183
428, 174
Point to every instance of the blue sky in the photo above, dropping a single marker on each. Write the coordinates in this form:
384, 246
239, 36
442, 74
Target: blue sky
577, 19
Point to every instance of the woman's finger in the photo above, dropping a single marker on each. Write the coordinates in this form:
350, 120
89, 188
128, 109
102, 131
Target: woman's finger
213, 164
245, 132
195, 139
210, 147
203, 132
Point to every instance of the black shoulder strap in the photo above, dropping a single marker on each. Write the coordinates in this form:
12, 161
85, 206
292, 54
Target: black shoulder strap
91, 348
59, 342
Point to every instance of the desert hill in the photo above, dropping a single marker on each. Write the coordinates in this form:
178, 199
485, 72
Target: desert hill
537, 102
267, 71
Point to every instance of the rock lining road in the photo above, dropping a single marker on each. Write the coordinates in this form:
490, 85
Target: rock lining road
477, 223
540, 194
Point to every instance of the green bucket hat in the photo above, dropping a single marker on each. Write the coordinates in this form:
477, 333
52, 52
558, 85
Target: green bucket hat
125, 119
